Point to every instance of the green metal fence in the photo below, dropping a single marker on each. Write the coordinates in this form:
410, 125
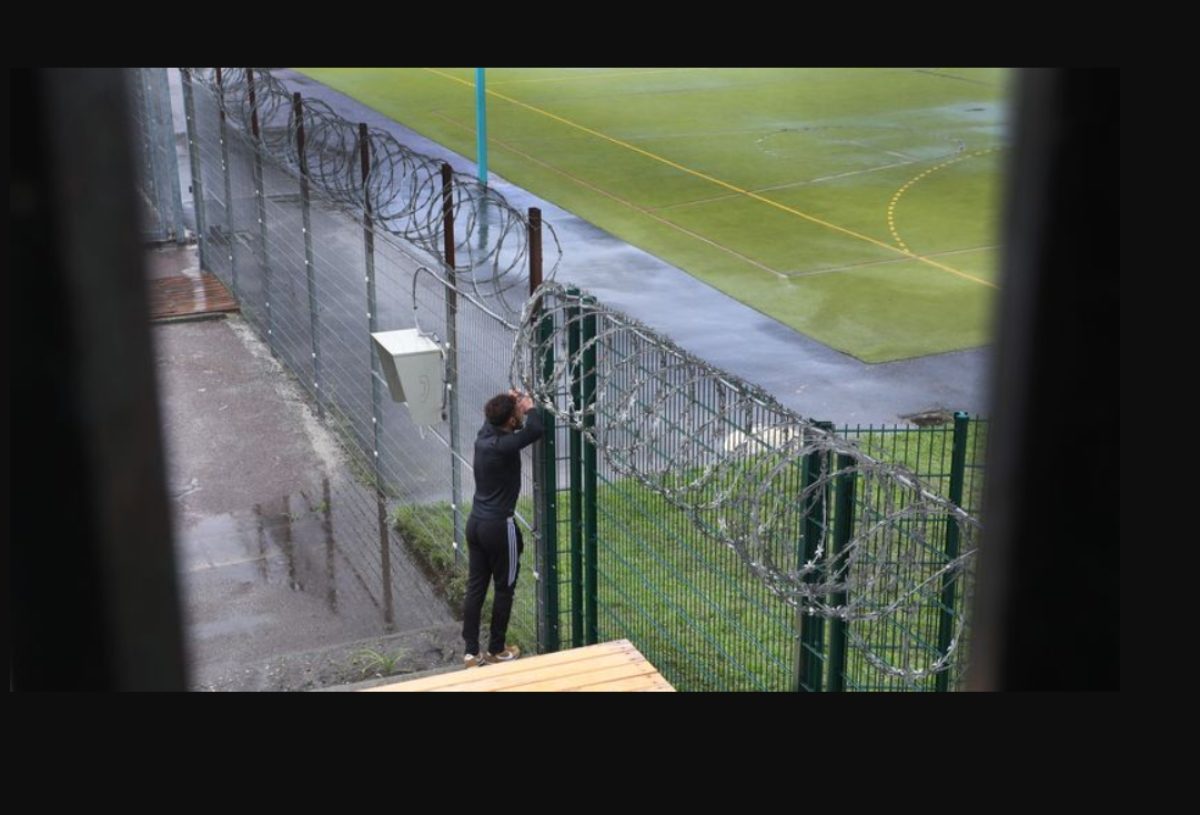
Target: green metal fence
624, 561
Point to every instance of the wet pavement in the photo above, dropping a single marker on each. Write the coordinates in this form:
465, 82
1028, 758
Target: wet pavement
280, 548
179, 290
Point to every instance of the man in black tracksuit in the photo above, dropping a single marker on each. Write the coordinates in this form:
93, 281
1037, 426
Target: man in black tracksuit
494, 542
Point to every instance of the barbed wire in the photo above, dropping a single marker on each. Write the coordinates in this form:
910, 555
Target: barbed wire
750, 473
403, 189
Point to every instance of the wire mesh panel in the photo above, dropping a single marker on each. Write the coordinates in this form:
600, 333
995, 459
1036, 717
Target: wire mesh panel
328, 231
161, 205
740, 544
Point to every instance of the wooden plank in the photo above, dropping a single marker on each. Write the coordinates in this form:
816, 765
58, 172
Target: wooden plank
610, 666
605, 673
181, 295
488, 679
523, 665
569, 673
645, 682
530, 663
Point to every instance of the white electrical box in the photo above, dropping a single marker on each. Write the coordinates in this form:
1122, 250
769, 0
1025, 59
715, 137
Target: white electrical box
414, 367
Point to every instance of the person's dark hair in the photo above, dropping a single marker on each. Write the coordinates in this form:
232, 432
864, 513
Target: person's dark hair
499, 409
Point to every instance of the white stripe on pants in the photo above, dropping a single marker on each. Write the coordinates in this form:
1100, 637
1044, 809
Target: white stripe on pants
512, 551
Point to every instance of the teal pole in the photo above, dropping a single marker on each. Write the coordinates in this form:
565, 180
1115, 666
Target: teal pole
481, 125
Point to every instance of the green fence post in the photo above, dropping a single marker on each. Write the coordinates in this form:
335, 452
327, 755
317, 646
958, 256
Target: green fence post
545, 465
958, 468
589, 471
573, 342
843, 530
809, 653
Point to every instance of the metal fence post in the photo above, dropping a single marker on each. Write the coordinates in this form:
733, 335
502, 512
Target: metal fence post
958, 462
163, 97
843, 530
189, 107
589, 471
452, 357
228, 181
385, 552
573, 343
545, 466
260, 195
809, 650
310, 271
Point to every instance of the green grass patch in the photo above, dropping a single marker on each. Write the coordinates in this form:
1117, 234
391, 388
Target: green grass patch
691, 604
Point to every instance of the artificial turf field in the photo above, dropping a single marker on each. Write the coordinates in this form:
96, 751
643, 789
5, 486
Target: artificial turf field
858, 206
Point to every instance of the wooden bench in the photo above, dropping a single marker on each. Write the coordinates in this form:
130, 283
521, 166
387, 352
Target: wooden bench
609, 666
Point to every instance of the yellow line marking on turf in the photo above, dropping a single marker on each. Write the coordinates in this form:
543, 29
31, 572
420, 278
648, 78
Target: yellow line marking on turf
906, 252
490, 83
851, 266
891, 207
620, 200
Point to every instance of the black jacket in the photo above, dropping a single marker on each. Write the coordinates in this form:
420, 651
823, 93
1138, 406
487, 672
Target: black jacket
498, 467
